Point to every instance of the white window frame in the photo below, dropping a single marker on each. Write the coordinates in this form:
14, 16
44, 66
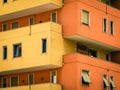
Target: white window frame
82, 16
2, 27
112, 80
51, 76
51, 16
106, 78
106, 25
29, 78
82, 76
11, 80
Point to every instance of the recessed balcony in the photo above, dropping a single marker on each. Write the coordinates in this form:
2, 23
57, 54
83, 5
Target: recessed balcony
45, 86
18, 8
85, 59
32, 56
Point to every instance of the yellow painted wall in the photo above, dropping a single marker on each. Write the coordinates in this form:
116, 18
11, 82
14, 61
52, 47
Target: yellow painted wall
18, 5
46, 86
32, 55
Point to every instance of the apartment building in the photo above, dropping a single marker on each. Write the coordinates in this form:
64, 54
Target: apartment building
59, 45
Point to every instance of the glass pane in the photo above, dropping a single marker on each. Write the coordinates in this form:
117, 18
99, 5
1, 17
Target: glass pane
14, 81
14, 25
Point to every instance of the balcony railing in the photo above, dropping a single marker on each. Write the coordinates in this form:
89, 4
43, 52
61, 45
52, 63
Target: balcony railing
80, 58
18, 8
32, 57
45, 86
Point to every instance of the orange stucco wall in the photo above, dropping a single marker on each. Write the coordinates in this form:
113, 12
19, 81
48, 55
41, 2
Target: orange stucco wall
24, 21
42, 76
75, 63
71, 19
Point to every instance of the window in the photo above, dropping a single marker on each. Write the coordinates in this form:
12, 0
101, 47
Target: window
14, 81
44, 45
104, 25
85, 17
4, 1
31, 21
4, 82
4, 27
17, 50
14, 25
107, 57
54, 17
111, 27
31, 79
112, 85
53, 76
105, 82
92, 53
85, 77
4, 52
82, 49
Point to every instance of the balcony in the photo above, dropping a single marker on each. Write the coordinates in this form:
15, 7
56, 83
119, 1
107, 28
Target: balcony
19, 8
46, 86
88, 60
32, 58
92, 34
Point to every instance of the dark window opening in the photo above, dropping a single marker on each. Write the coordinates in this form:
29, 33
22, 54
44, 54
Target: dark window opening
31, 79
4, 27
107, 57
4, 52
17, 50
4, 82
54, 17
92, 53
44, 45
104, 25
14, 81
111, 28
4, 1
14, 25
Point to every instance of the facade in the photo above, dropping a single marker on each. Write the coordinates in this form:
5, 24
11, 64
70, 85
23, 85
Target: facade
59, 45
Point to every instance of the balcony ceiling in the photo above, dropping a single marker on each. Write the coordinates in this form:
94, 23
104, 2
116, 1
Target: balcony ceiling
25, 12
93, 43
36, 68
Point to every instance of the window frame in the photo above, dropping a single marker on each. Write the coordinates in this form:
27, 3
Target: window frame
52, 78
105, 29
11, 81
44, 47
105, 81
33, 20
2, 81
82, 79
111, 28
52, 18
19, 46
6, 27
3, 57
29, 78
112, 83
83, 10
12, 25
